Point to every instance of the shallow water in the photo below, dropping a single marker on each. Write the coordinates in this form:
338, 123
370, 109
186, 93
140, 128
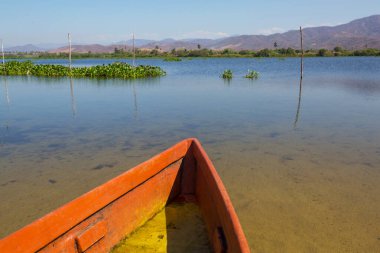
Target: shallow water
302, 172
178, 227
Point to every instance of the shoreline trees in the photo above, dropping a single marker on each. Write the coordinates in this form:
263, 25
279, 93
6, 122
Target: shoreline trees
201, 52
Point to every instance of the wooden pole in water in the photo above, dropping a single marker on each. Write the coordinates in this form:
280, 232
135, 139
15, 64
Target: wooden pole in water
2, 52
69, 38
301, 51
300, 86
133, 49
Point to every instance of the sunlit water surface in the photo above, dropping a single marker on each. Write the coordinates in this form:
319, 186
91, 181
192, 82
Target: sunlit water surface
303, 172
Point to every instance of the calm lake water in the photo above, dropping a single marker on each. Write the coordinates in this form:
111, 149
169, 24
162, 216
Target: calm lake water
303, 172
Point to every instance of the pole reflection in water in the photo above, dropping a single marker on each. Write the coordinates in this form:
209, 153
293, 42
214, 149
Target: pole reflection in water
135, 100
8, 102
6, 93
73, 104
299, 104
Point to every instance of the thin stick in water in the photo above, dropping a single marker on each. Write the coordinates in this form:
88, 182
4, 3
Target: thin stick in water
133, 49
69, 38
301, 51
2, 52
300, 85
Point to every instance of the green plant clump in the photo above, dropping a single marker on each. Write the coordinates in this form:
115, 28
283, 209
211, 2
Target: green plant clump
113, 70
172, 59
252, 74
227, 74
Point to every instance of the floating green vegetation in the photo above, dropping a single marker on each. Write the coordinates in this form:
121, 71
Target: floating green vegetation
172, 59
113, 70
227, 74
252, 74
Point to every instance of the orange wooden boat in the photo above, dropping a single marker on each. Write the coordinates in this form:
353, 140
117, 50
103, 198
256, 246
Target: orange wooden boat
99, 219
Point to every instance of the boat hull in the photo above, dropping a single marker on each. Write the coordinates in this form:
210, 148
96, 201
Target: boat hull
99, 219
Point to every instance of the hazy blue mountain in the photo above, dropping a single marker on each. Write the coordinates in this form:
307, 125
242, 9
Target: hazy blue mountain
24, 48
357, 34
93, 48
360, 33
138, 42
48, 46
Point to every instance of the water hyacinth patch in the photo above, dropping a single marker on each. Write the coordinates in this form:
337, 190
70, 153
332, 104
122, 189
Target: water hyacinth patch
227, 74
113, 70
252, 74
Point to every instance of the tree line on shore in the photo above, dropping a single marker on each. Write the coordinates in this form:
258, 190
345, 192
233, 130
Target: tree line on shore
156, 52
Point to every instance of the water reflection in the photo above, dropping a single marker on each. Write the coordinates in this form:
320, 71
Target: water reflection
299, 105
8, 102
299, 178
123, 82
135, 100
227, 81
299, 96
364, 86
73, 104
6, 92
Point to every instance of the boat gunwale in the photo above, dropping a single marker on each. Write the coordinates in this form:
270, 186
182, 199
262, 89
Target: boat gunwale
31, 237
41, 232
238, 232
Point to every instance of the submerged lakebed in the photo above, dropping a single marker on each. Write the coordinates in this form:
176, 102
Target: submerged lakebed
178, 227
300, 163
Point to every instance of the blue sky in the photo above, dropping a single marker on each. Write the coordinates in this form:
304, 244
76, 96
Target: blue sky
94, 21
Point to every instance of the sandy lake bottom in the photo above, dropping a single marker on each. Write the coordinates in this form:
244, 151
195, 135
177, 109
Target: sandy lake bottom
302, 168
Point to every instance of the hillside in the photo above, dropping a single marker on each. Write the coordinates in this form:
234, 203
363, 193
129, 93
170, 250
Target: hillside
357, 34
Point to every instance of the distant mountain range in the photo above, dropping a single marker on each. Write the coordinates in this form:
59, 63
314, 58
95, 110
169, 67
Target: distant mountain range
93, 48
357, 34
24, 48
138, 42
